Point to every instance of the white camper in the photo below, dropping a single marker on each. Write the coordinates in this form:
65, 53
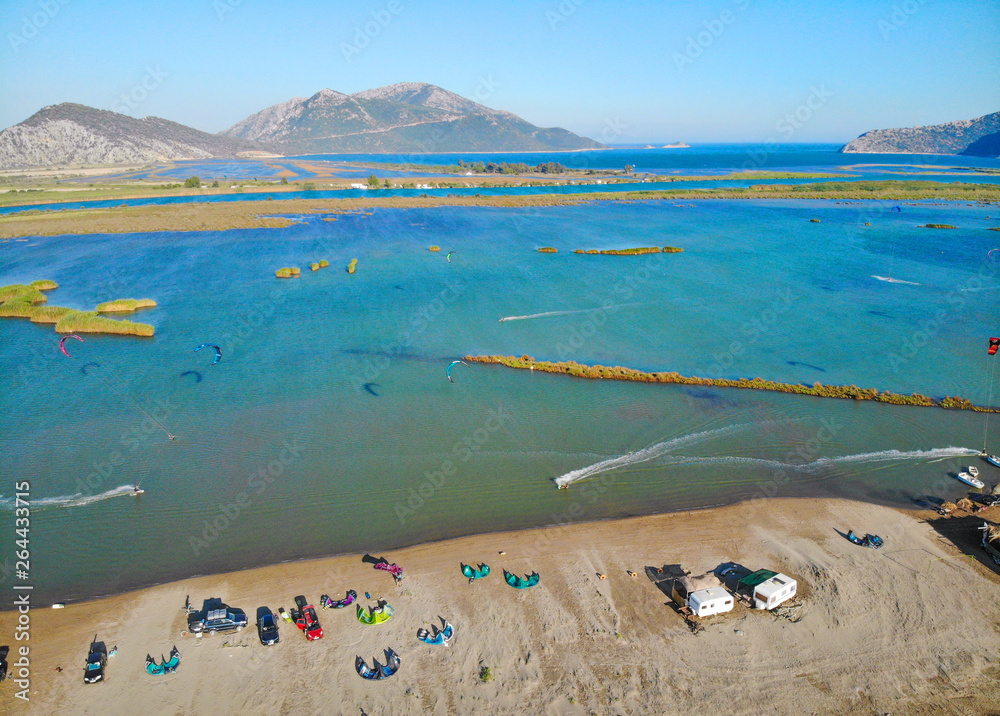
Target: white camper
772, 592
706, 602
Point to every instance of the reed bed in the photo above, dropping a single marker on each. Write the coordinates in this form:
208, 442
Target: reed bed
125, 305
844, 392
235, 215
49, 314
92, 322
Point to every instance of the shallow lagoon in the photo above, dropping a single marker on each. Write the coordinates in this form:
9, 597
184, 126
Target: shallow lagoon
331, 410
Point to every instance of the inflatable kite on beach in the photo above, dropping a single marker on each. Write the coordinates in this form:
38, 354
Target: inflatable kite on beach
166, 666
218, 351
472, 573
377, 671
327, 603
440, 636
62, 343
452, 365
529, 580
394, 569
374, 615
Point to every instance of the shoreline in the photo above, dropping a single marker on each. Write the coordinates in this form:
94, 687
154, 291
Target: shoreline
409, 544
609, 645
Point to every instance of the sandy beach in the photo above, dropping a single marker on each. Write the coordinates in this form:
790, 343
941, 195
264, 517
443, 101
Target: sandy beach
913, 628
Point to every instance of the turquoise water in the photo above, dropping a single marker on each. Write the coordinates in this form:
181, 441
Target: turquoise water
697, 158
582, 188
331, 412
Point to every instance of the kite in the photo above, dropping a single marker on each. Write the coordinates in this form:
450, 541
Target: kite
218, 351
452, 365
62, 343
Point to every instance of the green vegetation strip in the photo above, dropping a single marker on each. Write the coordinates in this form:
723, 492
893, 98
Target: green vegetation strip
630, 252
818, 390
125, 305
239, 214
20, 301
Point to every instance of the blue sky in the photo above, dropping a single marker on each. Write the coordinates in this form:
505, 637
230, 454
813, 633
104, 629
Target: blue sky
725, 70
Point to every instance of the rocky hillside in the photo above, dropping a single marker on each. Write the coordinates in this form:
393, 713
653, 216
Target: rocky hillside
69, 133
405, 117
950, 138
988, 146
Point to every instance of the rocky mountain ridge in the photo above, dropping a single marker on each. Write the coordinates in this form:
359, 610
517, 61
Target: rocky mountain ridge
969, 137
404, 117
68, 133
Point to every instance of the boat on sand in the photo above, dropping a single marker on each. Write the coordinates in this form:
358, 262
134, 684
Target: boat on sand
970, 480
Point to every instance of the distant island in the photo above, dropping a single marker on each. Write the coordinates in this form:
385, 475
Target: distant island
676, 145
972, 138
412, 117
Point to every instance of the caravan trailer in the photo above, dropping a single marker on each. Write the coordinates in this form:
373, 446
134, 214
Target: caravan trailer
772, 592
707, 602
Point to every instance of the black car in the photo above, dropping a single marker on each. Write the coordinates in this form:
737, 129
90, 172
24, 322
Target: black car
216, 616
267, 626
97, 660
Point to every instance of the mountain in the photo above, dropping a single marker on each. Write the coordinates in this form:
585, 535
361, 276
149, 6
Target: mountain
950, 138
76, 134
404, 117
987, 146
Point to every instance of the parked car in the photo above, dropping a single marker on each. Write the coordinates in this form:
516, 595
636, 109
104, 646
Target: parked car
216, 616
267, 626
306, 619
97, 661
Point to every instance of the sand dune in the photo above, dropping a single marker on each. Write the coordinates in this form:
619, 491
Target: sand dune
913, 628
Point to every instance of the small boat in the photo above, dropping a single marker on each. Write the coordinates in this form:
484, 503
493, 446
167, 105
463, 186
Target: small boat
973, 470
991, 459
970, 480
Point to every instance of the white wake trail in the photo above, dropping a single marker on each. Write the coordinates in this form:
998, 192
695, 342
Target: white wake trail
566, 313
661, 450
932, 455
889, 279
76, 500
645, 454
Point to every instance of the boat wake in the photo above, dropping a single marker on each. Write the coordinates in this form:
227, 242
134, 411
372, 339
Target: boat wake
76, 500
888, 279
660, 453
547, 314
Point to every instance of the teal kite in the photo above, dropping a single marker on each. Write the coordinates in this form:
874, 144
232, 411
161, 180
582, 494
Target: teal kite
529, 580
